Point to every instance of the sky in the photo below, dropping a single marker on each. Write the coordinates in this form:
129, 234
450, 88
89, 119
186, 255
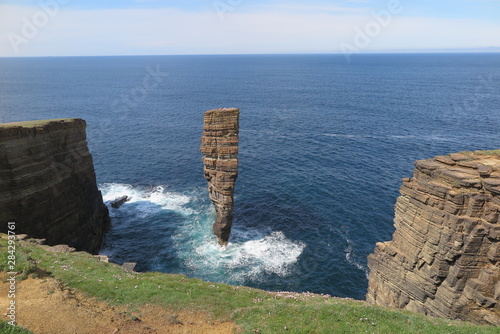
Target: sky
165, 27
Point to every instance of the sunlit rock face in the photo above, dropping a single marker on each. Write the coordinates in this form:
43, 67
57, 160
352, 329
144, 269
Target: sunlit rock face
219, 145
444, 257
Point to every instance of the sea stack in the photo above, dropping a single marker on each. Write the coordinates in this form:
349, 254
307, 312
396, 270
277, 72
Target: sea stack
219, 145
444, 258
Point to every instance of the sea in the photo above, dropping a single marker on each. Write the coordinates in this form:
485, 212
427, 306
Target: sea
324, 144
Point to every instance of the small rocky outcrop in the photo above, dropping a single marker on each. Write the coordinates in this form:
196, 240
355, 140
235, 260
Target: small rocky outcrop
444, 258
219, 145
48, 184
119, 201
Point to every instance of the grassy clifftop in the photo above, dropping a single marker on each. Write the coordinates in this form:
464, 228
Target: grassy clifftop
250, 310
34, 124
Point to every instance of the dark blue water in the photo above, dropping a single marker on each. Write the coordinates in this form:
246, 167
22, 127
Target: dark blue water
323, 146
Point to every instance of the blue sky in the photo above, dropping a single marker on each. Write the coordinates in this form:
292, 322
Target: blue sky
130, 27
481, 9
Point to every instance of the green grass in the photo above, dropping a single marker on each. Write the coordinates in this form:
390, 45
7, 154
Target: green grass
334, 316
33, 124
25, 265
253, 310
490, 152
5, 328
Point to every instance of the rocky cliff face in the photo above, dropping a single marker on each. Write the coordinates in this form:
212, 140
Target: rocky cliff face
219, 145
48, 185
444, 258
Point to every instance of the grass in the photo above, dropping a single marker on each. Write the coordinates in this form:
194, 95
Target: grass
253, 310
33, 124
5, 328
490, 152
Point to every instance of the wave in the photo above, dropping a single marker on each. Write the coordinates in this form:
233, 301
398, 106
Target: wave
250, 256
350, 258
244, 261
156, 195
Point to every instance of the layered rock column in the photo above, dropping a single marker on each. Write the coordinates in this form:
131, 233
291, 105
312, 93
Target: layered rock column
444, 258
219, 145
48, 185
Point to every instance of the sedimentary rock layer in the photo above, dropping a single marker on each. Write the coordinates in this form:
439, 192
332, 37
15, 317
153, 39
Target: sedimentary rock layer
219, 145
444, 258
48, 185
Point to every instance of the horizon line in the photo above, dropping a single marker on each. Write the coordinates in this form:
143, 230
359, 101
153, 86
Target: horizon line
388, 52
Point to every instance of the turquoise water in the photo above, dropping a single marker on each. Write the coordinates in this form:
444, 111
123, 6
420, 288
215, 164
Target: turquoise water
323, 147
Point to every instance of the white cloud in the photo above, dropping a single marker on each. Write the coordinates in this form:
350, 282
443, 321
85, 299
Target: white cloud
170, 31
436, 33
310, 8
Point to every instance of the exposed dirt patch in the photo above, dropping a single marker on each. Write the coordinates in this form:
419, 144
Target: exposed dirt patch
46, 307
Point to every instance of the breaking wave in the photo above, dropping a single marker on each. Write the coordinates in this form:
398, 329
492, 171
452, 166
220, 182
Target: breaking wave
179, 226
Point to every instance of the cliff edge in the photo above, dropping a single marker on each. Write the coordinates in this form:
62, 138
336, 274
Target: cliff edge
48, 184
219, 145
444, 258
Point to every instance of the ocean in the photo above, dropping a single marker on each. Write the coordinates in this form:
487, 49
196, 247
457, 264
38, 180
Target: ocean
323, 146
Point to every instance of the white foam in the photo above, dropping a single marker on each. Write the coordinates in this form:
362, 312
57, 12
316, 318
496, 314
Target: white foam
273, 254
351, 260
342, 135
162, 199
239, 262
248, 257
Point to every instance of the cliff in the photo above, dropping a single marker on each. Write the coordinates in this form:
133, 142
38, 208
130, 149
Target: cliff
219, 145
444, 257
48, 185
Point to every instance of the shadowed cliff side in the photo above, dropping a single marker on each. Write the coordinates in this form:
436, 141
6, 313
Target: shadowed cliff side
48, 184
444, 258
219, 145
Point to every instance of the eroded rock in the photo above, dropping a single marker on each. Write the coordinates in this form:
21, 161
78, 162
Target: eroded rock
444, 258
48, 184
119, 201
219, 145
